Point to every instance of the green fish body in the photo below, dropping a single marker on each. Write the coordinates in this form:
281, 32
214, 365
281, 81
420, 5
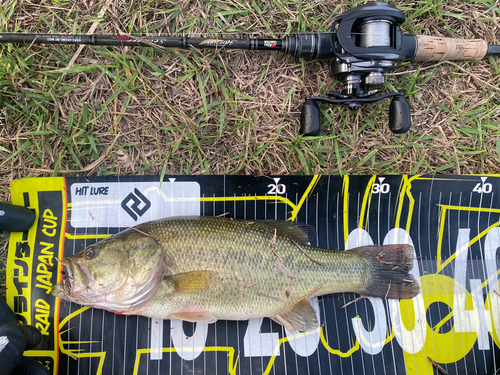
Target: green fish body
204, 269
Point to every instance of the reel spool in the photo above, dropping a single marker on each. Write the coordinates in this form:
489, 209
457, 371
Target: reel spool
375, 34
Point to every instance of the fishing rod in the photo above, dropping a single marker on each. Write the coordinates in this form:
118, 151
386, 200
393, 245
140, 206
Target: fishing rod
364, 43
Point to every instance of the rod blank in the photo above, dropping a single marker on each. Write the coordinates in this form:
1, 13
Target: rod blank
141, 41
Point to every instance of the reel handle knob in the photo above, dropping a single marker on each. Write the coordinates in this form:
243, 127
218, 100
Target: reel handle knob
309, 118
399, 115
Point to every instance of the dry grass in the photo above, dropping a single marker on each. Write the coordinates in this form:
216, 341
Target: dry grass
147, 111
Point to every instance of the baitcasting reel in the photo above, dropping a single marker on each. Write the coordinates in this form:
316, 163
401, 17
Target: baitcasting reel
367, 42
363, 44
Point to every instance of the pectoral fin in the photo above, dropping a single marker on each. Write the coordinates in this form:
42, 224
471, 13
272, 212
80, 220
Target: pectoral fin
195, 317
301, 317
191, 282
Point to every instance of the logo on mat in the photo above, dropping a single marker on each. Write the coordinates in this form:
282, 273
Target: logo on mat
136, 198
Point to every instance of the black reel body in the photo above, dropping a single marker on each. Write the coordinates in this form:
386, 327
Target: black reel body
367, 42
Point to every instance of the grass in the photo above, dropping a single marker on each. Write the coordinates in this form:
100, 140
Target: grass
151, 111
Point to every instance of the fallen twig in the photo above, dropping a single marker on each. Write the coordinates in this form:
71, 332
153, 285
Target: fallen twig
285, 271
315, 290
388, 289
379, 258
91, 31
89, 167
144, 233
439, 368
353, 301
307, 255
270, 297
273, 246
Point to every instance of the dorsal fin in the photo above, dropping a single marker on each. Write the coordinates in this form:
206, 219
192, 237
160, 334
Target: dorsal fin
298, 232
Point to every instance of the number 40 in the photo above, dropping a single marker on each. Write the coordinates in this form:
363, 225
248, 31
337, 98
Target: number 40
485, 188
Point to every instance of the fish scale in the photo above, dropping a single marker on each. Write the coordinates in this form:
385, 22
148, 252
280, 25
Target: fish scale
216, 268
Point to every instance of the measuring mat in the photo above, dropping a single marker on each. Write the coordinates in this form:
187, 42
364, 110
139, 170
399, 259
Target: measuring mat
453, 222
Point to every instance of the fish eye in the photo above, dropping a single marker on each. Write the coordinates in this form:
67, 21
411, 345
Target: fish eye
89, 254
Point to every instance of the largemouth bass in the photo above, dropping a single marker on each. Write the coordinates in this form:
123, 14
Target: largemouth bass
204, 269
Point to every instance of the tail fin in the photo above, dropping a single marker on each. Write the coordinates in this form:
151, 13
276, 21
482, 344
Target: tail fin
389, 277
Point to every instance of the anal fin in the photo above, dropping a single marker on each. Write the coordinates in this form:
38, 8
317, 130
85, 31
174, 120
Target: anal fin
302, 317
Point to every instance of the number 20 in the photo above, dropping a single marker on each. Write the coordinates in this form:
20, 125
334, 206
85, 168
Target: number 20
277, 189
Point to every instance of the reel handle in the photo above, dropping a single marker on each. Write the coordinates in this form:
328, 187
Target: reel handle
399, 111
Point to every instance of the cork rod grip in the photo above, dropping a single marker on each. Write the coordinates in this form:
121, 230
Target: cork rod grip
435, 48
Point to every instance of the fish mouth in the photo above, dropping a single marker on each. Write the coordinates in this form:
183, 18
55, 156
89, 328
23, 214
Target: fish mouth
76, 279
64, 288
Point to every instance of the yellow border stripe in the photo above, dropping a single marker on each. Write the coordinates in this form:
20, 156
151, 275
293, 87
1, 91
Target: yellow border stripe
345, 192
232, 363
230, 353
308, 191
70, 236
367, 198
440, 264
76, 353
